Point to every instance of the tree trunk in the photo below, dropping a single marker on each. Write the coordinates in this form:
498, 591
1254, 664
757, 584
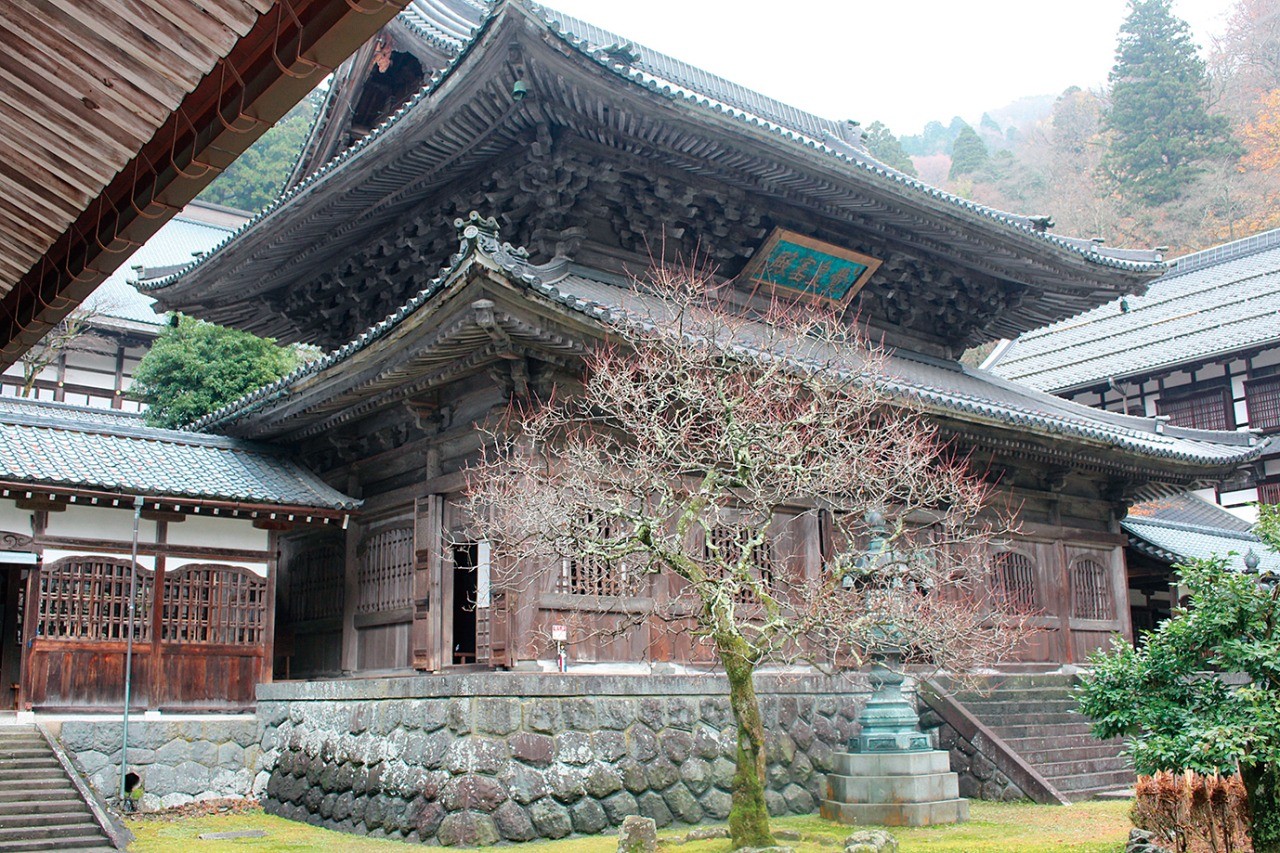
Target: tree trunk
1262, 782
748, 816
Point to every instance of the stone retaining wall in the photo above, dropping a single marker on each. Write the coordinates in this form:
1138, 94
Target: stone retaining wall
474, 759
979, 777
180, 760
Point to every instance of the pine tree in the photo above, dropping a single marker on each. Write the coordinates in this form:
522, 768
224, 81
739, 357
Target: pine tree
968, 154
1162, 129
886, 148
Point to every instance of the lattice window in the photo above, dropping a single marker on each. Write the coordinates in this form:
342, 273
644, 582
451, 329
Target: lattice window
1090, 591
728, 544
1263, 396
1269, 493
1013, 581
316, 583
386, 571
1201, 410
221, 605
87, 598
592, 574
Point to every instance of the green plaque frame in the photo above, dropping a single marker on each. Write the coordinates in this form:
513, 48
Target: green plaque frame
793, 265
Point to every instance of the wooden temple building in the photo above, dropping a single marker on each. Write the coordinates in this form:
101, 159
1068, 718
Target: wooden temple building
587, 159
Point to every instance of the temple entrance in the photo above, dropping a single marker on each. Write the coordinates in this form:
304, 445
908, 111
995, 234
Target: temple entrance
12, 602
464, 608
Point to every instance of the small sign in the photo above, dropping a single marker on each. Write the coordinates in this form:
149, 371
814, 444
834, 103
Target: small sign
793, 262
560, 633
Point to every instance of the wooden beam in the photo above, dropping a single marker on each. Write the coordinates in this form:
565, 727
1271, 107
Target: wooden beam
272, 67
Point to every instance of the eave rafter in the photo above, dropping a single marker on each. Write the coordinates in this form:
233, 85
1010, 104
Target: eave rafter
285, 50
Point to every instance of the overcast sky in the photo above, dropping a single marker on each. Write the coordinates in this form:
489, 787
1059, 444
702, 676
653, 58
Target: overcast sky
903, 62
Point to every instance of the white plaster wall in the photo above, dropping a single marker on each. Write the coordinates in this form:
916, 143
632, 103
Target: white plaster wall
14, 520
171, 563
52, 554
211, 531
99, 522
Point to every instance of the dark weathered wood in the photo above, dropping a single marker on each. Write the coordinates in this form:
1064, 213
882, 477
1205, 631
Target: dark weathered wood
427, 604
199, 635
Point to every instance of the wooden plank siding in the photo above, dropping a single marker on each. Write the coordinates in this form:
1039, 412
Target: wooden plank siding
200, 635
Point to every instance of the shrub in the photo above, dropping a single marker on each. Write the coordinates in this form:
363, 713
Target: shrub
1193, 812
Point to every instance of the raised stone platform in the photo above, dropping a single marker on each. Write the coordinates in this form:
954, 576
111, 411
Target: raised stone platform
894, 789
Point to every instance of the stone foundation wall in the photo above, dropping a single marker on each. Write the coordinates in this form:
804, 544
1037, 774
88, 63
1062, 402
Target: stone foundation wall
180, 760
979, 778
474, 759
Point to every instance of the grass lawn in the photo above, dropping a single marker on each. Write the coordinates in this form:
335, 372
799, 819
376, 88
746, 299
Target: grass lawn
993, 828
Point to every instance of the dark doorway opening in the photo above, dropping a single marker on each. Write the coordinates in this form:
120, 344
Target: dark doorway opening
12, 604
465, 588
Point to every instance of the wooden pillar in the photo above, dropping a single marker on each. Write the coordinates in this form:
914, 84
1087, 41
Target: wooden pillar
351, 593
156, 692
39, 522
428, 540
117, 399
267, 670
1064, 603
350, 658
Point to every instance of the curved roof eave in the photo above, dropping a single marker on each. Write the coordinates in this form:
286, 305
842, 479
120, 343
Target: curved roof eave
1141, 437
1079, 253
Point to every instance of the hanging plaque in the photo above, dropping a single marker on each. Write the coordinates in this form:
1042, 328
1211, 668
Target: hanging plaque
793, 263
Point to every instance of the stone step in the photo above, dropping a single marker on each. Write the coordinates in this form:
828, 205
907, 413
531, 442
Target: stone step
1017, 732
1074, 752
41, 801
42, 777
1084, 784
1000, 721
1018, 681
77, 828
17, 765
8, 753
38, 821
32, 776
1012, 707
19, 797
87, 843
14, 742
1046, 741
1059, 769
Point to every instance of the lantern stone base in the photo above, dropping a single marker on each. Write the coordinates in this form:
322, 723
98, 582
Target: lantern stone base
894, 789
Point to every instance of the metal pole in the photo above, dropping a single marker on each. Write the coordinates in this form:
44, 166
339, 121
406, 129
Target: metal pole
128, 645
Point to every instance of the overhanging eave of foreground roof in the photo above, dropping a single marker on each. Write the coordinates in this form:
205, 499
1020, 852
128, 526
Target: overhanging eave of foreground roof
73, 240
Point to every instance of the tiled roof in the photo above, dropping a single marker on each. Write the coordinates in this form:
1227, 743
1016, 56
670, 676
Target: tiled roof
1209, 303
678, 81
176, 244
1186, 527
50, 444
942, 386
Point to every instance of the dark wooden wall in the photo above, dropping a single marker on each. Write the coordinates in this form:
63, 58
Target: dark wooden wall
200, 635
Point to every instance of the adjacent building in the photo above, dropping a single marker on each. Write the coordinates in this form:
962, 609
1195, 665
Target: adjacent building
1200, 349
93, 366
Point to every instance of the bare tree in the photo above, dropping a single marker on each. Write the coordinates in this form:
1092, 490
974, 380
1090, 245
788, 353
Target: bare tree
704, 441
73, 333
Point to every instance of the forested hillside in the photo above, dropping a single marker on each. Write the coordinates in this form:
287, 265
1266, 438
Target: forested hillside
1180, 149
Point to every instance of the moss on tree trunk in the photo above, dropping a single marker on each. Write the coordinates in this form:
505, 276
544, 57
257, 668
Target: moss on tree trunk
1263, 785
749, 816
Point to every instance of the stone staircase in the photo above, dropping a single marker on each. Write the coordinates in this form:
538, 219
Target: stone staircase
40, 807
1036, 716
